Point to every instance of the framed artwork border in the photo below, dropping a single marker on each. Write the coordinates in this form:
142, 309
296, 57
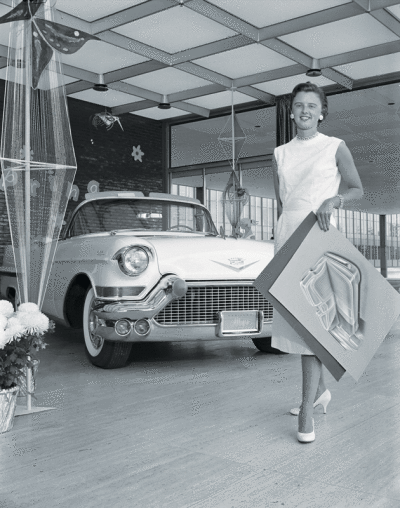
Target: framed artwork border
270, 274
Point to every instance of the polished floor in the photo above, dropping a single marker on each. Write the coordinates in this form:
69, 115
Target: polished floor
201, 425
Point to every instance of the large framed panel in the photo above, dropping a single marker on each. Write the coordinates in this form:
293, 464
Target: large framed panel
332, 296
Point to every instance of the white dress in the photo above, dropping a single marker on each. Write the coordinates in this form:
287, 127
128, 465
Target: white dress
308, 175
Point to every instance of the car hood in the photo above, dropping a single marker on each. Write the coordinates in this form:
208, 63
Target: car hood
211, 258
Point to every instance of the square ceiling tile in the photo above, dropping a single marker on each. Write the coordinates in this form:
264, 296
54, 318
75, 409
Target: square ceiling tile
175, 29
286, 85
395, 9
160, 114
90, 10
372, 67
167, 81
220, 99
108, 99
358, 32
258, 14
239, 62
101, 57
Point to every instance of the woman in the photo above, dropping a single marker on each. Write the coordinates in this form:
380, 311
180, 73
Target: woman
307, 174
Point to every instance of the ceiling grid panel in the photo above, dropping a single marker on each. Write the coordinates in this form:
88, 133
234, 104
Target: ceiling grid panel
133, 106
311, 20
283, 72
337, 76
361, 54
137, 91
224, 18
204, 73
210, 49
135, 46
288, 51
386, 19
134, 70
132, 14
196, 92
224, 44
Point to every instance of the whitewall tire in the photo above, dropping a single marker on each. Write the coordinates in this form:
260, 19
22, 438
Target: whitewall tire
102, 353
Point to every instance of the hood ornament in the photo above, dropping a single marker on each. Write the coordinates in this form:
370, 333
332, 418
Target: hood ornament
236, 264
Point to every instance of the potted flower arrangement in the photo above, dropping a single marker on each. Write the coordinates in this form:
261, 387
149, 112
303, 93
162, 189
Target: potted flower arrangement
21, 336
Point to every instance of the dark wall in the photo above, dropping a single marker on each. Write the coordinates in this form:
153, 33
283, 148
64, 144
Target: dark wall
109, 159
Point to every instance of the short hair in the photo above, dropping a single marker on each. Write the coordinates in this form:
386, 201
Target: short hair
311, 87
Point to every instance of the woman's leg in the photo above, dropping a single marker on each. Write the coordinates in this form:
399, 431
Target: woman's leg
321, 384
311, 367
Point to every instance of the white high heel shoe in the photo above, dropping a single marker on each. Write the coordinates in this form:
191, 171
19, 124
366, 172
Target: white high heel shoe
306, 437
324, 400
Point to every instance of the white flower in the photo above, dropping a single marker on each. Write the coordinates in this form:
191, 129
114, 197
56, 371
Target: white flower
6, 308
3, 322
14, 329
28, 307
3, 339
33, 323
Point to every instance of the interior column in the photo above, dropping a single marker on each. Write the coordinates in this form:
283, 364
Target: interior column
382, 245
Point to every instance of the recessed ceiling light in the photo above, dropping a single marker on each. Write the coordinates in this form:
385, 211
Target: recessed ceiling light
313, 73
100, 87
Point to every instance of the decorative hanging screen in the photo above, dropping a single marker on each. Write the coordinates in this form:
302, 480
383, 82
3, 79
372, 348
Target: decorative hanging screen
234, 199
232, 138
37, 155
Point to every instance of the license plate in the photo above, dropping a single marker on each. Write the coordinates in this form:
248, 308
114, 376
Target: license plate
244, 322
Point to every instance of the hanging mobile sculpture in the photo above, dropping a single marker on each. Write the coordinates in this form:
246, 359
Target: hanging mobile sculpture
235, 197
105, 119
37, 155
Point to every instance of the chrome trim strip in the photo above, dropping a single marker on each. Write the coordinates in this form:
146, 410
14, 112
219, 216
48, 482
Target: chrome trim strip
224, 282
119, 292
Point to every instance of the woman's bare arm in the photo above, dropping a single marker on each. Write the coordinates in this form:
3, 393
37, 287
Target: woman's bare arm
350, 177
276, 184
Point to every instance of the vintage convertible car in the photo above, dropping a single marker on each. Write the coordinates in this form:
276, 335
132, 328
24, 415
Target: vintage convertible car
130, 268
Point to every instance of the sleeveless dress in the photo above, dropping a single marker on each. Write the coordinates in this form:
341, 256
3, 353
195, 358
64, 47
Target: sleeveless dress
308, 175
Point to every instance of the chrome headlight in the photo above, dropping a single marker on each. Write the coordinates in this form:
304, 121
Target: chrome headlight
133, 261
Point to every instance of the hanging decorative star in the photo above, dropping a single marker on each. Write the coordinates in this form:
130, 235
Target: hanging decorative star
137, 153
46, 36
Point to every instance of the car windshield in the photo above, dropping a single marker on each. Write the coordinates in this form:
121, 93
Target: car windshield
141, 215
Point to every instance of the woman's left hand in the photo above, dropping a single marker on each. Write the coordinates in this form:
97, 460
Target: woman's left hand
324, 213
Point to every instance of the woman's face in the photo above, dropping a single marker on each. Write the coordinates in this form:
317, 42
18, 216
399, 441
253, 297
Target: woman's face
306, 109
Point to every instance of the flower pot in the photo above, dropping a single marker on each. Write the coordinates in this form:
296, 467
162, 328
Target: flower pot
8, 402
35, 367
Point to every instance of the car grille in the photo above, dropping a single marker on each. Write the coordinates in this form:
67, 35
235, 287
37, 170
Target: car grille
201, 305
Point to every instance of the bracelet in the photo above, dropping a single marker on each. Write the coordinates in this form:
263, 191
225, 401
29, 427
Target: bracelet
341, 198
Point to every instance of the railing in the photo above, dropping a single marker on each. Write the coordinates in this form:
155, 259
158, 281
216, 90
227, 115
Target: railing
361, 228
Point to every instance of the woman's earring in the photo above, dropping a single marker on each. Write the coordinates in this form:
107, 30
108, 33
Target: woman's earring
291, 116
321, 117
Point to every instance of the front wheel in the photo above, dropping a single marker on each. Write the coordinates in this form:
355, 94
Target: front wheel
264, 345
102, 353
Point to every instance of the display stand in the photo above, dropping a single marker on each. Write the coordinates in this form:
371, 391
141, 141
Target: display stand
29, 409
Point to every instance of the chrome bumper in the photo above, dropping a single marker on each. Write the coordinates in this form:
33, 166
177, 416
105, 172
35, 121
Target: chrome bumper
168, 289
159, 333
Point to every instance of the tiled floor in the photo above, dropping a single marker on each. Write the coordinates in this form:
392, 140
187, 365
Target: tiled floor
201, 425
